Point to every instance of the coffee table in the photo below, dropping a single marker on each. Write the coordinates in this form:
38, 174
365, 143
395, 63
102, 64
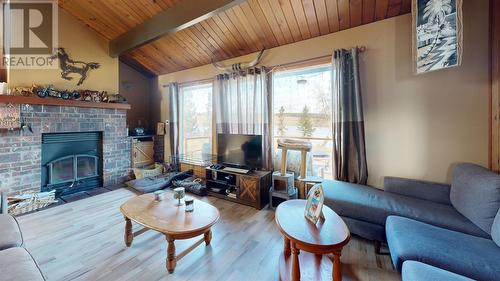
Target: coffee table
328, 236
170, 220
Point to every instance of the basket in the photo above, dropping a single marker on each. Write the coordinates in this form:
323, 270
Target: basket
152, 171
31, 202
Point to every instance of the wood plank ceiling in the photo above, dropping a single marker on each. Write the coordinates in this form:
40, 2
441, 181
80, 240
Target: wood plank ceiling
240, 30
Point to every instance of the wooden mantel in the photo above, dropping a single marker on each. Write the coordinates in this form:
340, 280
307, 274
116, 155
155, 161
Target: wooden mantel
60, 102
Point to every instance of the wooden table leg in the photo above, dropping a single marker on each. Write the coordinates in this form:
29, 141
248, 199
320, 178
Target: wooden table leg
208, 237
337, 267
129, 236
283, 161
303, 162
295, 263
377, 247
286, 249
171, 260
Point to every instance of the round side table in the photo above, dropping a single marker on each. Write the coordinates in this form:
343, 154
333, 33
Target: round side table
308, 244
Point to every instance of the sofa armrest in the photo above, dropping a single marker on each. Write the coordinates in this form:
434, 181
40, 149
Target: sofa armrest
425, 190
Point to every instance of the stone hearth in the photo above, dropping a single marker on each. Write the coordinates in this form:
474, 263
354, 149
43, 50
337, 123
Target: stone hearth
20, 151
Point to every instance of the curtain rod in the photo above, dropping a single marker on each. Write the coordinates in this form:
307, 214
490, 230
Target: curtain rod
319, 59
193, 82
361, 48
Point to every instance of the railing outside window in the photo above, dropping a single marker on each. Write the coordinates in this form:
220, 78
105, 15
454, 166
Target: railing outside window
302, 109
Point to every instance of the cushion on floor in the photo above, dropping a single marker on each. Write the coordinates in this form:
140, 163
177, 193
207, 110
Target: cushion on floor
10, 234
475, 193
417, 271
464, 254
373, 205
16, 264
152, 184
147, 185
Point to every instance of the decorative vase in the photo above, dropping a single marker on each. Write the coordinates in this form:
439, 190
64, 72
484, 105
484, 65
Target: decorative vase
179, 193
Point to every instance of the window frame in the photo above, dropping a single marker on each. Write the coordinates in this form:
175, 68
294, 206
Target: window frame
296, 66
184, 156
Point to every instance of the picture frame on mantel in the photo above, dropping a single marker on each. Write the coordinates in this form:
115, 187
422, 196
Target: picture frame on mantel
437, 34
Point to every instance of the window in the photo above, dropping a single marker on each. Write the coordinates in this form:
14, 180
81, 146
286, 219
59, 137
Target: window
302, 109
195, 121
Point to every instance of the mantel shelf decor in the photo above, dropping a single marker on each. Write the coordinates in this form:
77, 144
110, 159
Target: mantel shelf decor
55, 101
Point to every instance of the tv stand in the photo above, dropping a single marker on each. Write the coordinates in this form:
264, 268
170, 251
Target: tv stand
250, 189
236, 170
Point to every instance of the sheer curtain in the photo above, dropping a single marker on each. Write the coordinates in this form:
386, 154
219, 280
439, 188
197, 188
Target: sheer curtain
349, 154
241, 105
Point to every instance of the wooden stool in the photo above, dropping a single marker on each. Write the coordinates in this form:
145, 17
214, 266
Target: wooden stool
303, 147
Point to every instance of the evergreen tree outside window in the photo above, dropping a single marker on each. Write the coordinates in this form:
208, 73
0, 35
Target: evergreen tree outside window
302, 109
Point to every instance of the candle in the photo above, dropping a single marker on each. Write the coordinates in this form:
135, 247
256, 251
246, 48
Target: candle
158, 195
189, 204
4, 88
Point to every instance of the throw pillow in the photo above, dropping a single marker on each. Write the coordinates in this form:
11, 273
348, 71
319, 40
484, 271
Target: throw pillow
495, 229
475, 193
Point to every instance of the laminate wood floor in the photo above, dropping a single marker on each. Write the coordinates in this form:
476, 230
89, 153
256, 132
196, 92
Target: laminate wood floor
83, 240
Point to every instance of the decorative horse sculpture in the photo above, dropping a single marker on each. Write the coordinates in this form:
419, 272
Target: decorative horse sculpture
68, 66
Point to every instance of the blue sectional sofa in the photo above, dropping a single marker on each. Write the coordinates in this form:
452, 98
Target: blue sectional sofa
417, 271
447, 227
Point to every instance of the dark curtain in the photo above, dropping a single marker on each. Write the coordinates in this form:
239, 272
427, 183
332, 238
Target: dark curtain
173, 91
349, 154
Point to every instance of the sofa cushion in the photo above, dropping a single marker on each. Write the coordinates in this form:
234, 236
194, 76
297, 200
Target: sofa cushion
367, 230
417, 271
495, 229
475, 193
10, 234
425, 190
372, 205
467, 255
16, 264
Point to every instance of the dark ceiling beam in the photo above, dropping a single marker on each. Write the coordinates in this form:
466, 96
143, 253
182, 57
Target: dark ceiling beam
137, 66
183, 15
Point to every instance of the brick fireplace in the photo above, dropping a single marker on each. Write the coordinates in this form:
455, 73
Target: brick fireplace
21, 151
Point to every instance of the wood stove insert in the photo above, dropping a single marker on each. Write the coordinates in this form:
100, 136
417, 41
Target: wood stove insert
71, 162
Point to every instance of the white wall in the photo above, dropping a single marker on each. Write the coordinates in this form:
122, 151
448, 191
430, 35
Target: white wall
81, 43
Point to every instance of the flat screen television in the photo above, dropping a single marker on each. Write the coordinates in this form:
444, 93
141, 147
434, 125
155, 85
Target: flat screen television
237, 150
